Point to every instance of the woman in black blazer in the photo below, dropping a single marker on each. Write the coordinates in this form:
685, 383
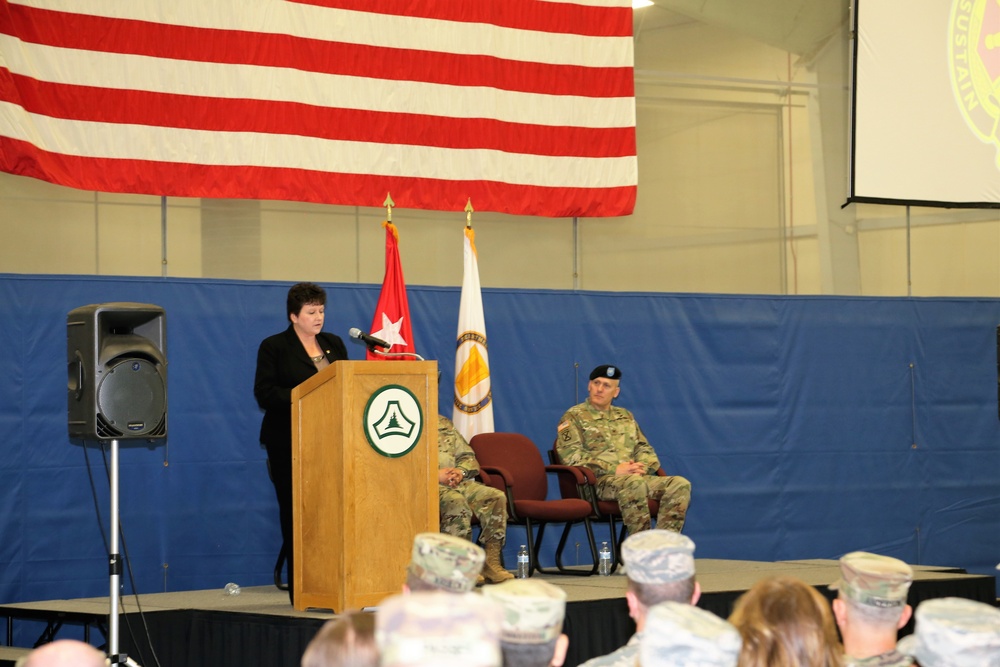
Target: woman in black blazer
284, 361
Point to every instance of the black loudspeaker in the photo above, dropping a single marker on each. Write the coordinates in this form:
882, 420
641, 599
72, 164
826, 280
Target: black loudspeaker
117, 372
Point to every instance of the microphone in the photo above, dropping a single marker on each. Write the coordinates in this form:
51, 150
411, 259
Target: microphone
370, 341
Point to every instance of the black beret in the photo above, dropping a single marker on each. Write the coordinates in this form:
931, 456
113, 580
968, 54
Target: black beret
606, 371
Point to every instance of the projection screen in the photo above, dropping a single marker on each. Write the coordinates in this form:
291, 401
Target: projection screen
926, 103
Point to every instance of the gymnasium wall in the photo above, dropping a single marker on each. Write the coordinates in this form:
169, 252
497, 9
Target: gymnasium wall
809, 426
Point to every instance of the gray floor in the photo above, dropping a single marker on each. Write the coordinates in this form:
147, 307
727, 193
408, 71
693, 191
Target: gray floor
714, 575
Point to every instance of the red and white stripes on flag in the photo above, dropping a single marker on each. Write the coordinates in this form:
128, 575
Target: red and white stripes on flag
473, 409
525, 106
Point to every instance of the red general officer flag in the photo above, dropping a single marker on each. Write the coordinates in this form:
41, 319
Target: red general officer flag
392, 314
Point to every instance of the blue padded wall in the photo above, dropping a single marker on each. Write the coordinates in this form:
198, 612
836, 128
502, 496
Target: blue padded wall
809, 426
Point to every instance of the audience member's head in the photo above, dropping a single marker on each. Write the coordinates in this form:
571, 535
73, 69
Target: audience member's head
682, 635
659, 565
871, 604
955, 632
784, 622
532, 633
439, 629
444, 562
65, 653
346, 641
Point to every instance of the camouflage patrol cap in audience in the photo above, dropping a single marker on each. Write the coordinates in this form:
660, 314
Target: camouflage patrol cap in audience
658, 557
955, 632
533, 610
439, 629
606, 371
447, 562
682, 635
873, 580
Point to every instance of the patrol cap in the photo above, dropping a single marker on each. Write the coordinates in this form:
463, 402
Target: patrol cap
658, 557
446, 562
606, 371
533, 610
874, 580
439, 629
954, 632
682, 635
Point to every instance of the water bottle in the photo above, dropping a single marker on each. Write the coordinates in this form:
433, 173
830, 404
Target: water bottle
604, 560
232, 589
523, 563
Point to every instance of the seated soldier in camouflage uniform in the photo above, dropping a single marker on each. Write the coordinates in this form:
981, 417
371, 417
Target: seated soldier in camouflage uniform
606, 439
870, 608
461, 496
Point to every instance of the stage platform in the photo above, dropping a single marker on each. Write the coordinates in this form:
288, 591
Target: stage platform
259, 628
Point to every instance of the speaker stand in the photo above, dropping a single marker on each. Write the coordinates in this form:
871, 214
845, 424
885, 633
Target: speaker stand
115, 568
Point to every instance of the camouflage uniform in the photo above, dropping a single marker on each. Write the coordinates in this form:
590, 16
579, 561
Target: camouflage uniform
682, 635
878, 582
533, 610
955, 632
602, 440
891, 659
626, 656
438, 629
446, 562
651, 557
458, 504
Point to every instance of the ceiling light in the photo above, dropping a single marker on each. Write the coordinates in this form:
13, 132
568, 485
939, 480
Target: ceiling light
636, 4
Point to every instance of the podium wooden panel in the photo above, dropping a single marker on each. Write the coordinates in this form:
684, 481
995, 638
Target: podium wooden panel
356, 511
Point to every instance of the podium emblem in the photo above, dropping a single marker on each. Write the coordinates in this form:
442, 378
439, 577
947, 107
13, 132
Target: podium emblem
393, 420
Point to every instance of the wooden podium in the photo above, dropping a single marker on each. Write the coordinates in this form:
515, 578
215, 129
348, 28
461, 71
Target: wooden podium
356, 509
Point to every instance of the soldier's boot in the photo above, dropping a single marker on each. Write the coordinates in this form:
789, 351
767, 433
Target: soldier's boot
480, 580
493, 571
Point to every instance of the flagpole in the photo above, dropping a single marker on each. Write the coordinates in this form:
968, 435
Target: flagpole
388, 203
472, 412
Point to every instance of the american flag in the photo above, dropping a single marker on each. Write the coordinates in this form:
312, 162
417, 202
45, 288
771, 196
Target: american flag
525, 106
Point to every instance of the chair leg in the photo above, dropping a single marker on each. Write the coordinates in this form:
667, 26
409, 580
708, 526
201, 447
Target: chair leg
593, 544
623, 533
616, 543
561, 569
562, 543
532, 546
534, 553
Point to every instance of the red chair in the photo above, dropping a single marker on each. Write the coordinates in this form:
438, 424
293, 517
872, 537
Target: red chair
515, 466
602, 510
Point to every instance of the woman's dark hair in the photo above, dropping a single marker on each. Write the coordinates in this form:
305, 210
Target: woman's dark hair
302, 293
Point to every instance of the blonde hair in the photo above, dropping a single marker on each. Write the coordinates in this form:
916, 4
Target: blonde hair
785, 622
346, 641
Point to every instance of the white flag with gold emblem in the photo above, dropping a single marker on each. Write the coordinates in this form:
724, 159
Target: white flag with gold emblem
473, 411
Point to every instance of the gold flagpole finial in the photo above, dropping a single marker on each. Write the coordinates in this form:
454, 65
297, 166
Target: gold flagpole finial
468, 213
388, 203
